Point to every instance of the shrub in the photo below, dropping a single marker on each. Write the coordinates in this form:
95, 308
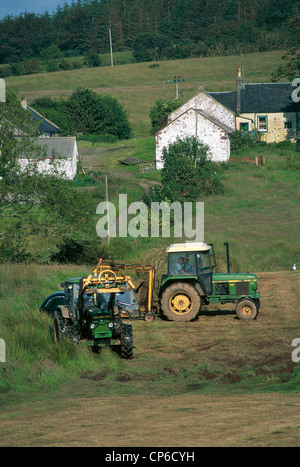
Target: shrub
76, 251
243, 140
98, 138
160, 111
56, 112
187, 173
95, 114
5, 71
92, 59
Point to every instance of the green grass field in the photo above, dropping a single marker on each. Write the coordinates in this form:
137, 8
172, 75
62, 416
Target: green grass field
258, 214
138, 86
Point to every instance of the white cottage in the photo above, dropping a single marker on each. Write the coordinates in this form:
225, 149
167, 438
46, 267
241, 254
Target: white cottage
204, 118
61, 157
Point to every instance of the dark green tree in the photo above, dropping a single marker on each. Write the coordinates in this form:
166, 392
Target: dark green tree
92, 113
291, 69
160, 111
151, 46
32, 204
54, 58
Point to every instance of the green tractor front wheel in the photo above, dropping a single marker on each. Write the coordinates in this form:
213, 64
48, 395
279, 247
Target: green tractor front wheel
64, 328
180, 302
246, 309
59, 326
126, 339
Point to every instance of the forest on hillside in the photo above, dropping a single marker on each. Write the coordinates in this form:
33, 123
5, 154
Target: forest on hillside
168, 28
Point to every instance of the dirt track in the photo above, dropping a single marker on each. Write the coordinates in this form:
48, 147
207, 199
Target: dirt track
74, 416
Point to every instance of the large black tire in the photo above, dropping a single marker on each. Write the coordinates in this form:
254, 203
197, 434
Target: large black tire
59, 326
126, 341
246, 309
73, 332
180, 302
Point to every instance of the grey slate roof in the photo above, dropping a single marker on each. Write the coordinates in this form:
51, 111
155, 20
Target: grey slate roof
260, 98
46, 126
57, 147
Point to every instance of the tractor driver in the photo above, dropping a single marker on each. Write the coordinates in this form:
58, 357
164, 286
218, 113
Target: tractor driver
179, 267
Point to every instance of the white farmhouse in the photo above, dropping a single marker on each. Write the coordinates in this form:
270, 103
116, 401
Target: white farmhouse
204, 118
265, 108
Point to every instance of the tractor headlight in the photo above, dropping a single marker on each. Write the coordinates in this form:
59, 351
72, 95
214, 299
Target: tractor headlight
92, 326
110, 325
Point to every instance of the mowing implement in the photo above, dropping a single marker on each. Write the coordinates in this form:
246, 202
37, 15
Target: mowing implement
92, 311
191, 282
93, 308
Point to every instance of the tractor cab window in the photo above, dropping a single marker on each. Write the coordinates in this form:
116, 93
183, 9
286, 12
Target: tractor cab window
72, 293
182, 264
104, 303
204, 261
103, 300
205, 268
126, 298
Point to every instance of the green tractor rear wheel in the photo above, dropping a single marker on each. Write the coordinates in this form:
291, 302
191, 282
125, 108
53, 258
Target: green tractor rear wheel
180, 302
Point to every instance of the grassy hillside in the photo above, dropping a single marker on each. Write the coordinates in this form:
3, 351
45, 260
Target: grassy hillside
138, 86
258, 213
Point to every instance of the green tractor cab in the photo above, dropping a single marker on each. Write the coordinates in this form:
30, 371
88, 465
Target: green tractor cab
191, 282
93, 309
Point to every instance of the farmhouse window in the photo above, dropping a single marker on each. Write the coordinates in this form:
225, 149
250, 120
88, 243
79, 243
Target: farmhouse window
288, 125
244, 126
262, 123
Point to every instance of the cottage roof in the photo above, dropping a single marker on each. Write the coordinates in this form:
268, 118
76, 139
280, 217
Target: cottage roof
204, 114
57, 147
214, 120
260, 98
46, 126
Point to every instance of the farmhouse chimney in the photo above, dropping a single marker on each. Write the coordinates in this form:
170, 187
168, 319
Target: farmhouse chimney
239, 87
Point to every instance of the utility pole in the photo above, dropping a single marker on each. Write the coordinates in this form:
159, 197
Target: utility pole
110, 44
176, 80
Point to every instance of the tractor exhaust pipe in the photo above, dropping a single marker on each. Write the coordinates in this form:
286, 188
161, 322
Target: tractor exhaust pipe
227, 256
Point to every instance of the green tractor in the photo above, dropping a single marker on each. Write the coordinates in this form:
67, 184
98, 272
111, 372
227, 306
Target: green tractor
92, 312
191, 282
